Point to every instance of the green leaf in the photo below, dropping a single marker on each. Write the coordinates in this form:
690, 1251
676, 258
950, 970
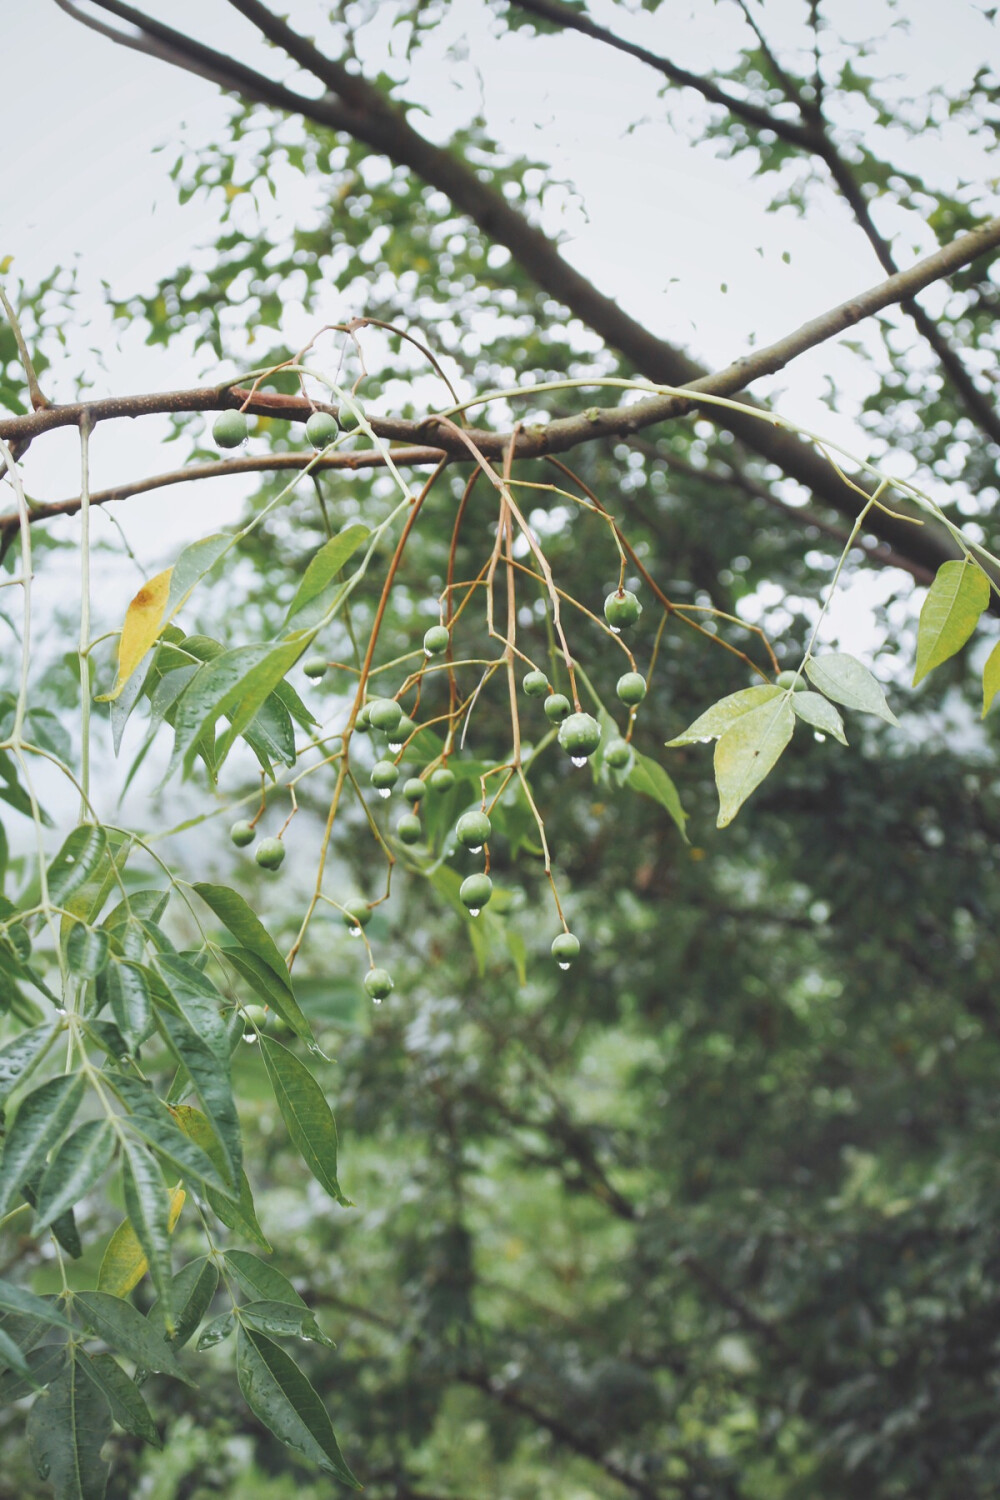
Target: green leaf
123, 1326
190, 568
125, 987
261, 1281
844, 679
816, 710
124, 1263
43, 1366
231, 909
326, 564
249, 700
212, 1084
198, 1001
215, 687
306, 1114
748, 751
87, 950
76, 862
122, 1395
650, 779
13, 1357
23, 1054
239, 1215
194, 1287
281, 1397
269, 987
81, 1161
41, 1119
218, 1329
722, 715
16, 1299
955, 600
150, 1118
991, 679
285, 1320
147, 1205
67, 1427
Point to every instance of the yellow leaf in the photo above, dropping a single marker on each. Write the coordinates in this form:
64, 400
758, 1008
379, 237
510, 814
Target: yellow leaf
6, 264
124, 1264
143, 623
991, 678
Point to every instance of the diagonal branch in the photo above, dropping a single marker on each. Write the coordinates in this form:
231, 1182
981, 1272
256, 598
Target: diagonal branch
811, 133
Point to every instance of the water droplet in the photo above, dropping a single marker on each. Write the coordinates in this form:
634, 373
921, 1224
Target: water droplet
250, 1036
474, 911
564, 966
428, 654
354, 930
395, 746
475, 848
578, 760
615, 629
376, 1000
383, 791
819, 738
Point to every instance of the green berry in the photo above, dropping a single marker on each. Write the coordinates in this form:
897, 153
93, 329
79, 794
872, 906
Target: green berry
475, 891
414, 789
631, 688
617, 754
436, 640
269, 853
347, 419
621, 608
565, 947
441, 780
321, 429
557, 706
580, 735
408, 828
357, 913
384, 714
314, 666
384, 775
792, 680
230, 429
535, 684
361, 723
473, 830
378, 983
255, 1016
404, 729
242, 833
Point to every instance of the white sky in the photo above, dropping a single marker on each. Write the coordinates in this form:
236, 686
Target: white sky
663, 225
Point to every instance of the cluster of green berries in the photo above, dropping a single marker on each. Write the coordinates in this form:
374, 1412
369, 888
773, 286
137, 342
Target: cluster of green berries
269, 853
231, 428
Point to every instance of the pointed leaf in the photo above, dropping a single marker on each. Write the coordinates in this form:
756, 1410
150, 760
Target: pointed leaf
231, 909
67, 1427
214, 1332
150, 1118
87, 950
76, 862
144, 619
284, 1320
650, 779
124, 1264
263, 980
247, 703
194, 1287
147, 1204
281, 1397
844, 679
818, 711
955, 600
722, 715
125, 987
124, 1328
240, 1215
40, 1121
80, 1163
212, 1084
748, 751
260, 1281
198, 1001
306, 1114
326, 564
191, 566
122, 1395
23, 1054
15, 1299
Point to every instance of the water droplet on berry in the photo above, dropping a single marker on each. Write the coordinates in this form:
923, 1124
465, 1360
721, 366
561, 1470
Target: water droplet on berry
475, 848
376, 1000
474, 911
250, 1036
564, 966
578, 760
615, 629
395, 746
354, 931
819, 738
384, 791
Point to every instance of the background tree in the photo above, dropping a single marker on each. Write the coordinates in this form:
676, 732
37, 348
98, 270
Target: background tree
715, 1212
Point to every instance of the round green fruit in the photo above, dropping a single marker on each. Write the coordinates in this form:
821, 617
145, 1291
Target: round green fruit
230, 429
322, 429
242, 833
621, 608
617, 754
557, 707
314, 666
414, 789
357, 913
793, 680
378, 983
269, 854
475, 891
384, 775
408, 828
347, 419
384, 714
535, 684
404, 729
256, 1016
441, 780
436, 640
362, 723
473, 830
565, 947
580, 735
631, 688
